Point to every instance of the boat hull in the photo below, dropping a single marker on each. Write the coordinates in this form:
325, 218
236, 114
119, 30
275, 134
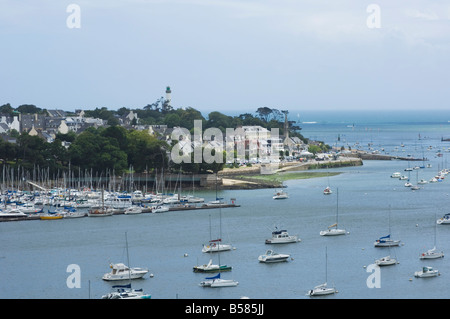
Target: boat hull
387, 243
332, 232
215, 248
421, 274
386, 261
212, 269
264, 259
133, 275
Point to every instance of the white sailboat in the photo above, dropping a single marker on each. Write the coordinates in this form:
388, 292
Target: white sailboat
432, 253
332, 229
125, 291
216, 245
387, 260
323, 289
386, 241
217, 282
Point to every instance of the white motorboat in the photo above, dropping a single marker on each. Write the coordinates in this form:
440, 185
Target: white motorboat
327, 191
272, 257
14, 213
408, 184
396, 175
386, 261
121, 272
422, 181
432, 254
217, 282
215, 245
133, 210
192, 199
280, 195
74, 214
160, 209
282, 237
322, 290
427, 272
126, 292
444, 219
386, 241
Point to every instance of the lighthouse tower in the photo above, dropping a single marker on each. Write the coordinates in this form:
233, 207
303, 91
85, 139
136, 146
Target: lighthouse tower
168, 97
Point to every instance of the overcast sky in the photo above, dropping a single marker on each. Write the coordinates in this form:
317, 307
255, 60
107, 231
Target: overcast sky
226, 55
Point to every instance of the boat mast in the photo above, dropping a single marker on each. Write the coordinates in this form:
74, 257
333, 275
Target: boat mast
326, 264
337, 205
128, 258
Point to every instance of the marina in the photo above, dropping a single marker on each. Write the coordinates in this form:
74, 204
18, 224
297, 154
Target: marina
170, 244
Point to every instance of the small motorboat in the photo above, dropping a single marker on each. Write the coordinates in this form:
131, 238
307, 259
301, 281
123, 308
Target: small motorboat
133, 210
160, 209
327, 191
51, 216
272, 257
74, 214
426, 272
386, 261
282, 237
280, 195
121, 272
126, 292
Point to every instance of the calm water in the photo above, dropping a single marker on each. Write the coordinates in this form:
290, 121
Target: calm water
34, 255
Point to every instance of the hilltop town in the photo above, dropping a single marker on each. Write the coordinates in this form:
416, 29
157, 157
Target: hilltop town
141, 140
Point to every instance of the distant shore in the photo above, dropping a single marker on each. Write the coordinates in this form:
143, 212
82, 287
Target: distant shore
254, 177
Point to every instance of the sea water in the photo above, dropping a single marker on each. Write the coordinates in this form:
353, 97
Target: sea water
36, 256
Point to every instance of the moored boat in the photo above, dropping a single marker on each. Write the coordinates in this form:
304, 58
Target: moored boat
282, 237
427, 272
217, 282
386, 261
272, 257
386, 241
210, 267
50, 216
122, 272
126, 292
280, 195
215, 245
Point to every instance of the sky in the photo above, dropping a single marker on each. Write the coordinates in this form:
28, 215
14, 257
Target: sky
226, 55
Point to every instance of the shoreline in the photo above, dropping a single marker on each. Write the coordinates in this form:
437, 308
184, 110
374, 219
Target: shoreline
253, 177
